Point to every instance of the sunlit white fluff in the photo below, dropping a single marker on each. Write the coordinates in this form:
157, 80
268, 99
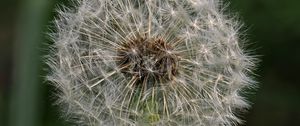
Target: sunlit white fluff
212, 72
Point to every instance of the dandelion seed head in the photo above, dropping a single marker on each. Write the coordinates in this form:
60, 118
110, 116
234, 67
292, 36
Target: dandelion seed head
149, 62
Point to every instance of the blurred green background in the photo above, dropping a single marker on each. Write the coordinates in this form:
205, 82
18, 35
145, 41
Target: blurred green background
273, 26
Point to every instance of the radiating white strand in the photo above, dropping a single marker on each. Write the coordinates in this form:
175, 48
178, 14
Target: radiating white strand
95, 89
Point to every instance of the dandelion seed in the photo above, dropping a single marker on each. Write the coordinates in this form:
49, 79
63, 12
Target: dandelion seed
149, 62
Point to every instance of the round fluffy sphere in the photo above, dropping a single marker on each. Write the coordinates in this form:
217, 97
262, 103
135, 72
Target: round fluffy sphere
149, 62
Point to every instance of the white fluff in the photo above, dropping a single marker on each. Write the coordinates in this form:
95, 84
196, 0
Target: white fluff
213, 69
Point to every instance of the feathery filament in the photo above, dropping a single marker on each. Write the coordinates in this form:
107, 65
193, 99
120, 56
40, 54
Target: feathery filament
149, 62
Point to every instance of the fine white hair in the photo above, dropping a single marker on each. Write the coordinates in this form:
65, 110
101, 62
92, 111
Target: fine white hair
213, 67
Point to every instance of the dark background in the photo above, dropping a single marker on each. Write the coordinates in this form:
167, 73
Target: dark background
273, 28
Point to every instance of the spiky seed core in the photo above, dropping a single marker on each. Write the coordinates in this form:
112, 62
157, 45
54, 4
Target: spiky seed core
149, 59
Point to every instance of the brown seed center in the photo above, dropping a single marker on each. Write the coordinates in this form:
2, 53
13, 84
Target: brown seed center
150, 59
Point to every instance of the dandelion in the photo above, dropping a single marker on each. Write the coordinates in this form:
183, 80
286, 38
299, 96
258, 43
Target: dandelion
149, 62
